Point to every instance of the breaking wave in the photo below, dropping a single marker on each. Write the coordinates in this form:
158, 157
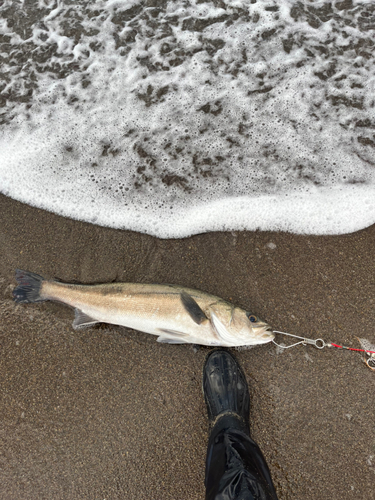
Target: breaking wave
179, 117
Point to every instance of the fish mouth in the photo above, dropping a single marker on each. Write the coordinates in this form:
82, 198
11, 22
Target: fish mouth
265, 332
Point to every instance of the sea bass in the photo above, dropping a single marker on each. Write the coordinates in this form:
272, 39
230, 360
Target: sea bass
177, 315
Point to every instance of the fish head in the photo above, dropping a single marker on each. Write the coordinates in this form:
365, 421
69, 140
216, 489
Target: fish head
236, 327
251, 329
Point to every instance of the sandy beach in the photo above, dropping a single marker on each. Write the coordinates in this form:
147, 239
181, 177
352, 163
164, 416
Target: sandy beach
108, 413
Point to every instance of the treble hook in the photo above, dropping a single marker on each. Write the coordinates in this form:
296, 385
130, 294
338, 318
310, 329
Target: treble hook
370, 362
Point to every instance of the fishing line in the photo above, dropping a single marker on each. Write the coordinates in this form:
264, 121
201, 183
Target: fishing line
320, 344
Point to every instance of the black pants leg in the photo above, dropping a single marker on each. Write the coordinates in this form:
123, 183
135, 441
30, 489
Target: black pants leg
236, 468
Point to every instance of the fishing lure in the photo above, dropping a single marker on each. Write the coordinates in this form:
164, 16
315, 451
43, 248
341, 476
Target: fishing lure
366, 346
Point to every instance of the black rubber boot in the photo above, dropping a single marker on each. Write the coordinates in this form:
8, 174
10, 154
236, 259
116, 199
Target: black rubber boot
226, 392
235, 466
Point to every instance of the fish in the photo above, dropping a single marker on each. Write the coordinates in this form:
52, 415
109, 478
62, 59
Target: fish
176, 314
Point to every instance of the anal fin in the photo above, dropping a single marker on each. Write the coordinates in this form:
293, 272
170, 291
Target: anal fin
81, 319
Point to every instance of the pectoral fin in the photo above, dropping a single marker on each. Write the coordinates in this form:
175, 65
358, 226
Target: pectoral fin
193, 308
81, 320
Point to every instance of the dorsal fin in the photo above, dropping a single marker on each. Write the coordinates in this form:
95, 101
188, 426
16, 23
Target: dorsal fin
192, 308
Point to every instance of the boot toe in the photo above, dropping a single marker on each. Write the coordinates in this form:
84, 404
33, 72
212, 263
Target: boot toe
224, 386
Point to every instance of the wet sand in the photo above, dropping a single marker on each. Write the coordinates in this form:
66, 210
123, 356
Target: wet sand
108, 413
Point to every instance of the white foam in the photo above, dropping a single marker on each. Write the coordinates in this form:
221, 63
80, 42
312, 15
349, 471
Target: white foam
166, 122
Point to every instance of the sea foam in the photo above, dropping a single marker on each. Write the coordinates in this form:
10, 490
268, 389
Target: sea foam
179, 117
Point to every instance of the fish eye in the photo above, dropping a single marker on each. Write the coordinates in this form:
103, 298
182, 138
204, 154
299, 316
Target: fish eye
252, 318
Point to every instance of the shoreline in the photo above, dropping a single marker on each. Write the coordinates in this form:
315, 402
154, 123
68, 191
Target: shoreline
327, 211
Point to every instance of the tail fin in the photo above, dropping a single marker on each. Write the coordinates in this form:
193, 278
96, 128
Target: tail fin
28, 289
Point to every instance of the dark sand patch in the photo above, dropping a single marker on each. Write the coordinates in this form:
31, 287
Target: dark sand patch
109, 413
